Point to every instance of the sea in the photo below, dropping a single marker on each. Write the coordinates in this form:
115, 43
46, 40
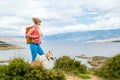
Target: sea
64, 48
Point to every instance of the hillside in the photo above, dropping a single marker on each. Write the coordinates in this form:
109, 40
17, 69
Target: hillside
84, 36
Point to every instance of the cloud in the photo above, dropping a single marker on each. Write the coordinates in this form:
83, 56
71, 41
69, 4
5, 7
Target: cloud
102, 5
59, 16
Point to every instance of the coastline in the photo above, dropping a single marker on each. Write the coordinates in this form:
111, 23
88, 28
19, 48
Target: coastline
7, 46
105, 40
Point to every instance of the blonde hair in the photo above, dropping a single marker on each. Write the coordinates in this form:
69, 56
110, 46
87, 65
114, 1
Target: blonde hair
36, 20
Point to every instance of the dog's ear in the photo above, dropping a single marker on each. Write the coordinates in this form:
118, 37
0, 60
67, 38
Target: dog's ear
49, 51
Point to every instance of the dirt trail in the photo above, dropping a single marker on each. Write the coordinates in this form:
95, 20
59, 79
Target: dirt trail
73, 77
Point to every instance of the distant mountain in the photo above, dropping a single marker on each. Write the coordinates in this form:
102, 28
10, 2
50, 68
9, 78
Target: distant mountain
84, 36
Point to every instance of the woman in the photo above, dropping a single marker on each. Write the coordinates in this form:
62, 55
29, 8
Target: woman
36, 35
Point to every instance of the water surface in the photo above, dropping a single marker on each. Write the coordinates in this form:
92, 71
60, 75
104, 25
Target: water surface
65, 48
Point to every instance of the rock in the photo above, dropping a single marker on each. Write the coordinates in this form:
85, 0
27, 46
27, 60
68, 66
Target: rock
3, 61
96, 61
84, 56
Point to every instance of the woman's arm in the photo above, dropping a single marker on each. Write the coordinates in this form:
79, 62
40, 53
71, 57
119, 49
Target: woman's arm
29, 34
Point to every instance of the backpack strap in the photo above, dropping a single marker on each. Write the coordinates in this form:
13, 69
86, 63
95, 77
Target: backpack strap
36, 30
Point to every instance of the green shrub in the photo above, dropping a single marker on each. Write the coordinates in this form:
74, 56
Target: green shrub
20, 70
68, 64
110, 71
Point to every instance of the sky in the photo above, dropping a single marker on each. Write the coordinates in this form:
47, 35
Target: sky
58, 16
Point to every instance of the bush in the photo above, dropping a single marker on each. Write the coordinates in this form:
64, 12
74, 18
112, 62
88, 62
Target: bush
110, 71
20, 70
68, 64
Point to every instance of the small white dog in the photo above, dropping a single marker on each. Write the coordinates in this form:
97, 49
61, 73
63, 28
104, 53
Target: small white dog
43, 60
